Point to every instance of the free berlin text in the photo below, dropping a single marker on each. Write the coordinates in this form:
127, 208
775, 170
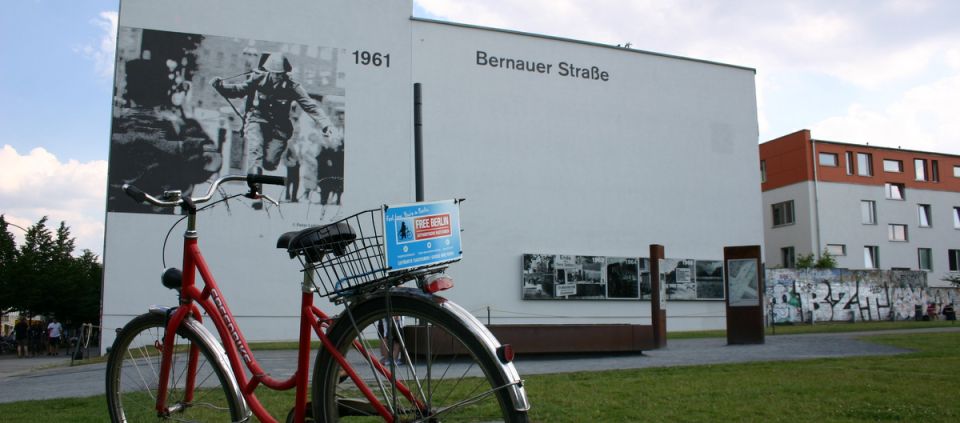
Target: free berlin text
563, 68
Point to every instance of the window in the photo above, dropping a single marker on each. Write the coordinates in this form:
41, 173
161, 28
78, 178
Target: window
924, 259
837, 249
849, 157
868, 212
871, 257
828, 159
788, 258
934, 171
894, 191
864, 164
763, 171
923, 213
956, 217
953, 257
920, 169
783, 213
892, 165
956, 171
897, 232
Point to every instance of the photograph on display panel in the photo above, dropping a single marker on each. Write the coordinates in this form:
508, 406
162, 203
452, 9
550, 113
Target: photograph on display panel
189, 108
709, 278
569, 277
678, 277
744, 282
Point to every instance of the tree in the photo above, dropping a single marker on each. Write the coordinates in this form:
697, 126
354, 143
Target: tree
805, 261
953, 278
8, 258
826, 261
43, 276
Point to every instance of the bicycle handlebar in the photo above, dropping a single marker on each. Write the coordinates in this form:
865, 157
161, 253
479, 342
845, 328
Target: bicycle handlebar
251, 179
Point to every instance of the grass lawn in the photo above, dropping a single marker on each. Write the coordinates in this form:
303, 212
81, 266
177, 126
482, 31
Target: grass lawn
916, 387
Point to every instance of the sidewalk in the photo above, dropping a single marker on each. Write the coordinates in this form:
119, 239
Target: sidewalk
34, 378
11, 365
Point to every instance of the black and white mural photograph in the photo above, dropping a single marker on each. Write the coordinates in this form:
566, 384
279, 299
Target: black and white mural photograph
709, 279
569, 277
189, 108
679, 279
623, 278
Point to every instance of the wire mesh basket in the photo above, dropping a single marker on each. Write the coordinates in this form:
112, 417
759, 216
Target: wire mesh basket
346, 257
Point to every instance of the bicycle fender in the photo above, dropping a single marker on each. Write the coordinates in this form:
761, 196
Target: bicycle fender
490, 343
214, 346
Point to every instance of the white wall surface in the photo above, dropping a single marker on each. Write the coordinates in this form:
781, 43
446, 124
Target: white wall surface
259, 281
801, 234
663, 152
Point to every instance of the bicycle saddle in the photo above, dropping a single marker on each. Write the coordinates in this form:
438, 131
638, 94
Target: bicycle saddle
314, 243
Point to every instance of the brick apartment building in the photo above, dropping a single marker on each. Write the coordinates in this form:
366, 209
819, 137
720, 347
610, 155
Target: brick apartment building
870, 207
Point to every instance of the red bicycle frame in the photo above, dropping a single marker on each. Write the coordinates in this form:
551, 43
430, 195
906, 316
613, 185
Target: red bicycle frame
211, 300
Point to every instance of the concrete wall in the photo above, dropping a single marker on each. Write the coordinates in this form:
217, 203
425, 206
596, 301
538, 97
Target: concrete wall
796, 296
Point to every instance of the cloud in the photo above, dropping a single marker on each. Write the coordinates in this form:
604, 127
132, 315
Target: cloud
102, 52
865, 48
922, 118
38, 184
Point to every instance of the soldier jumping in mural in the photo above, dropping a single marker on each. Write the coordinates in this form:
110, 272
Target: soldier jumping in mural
267, 126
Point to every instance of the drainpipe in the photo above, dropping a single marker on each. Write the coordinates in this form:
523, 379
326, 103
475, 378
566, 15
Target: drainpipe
816, 198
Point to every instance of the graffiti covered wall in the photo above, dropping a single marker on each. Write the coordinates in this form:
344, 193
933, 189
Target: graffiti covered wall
799, 295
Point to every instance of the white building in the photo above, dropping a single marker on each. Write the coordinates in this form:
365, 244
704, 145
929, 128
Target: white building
559, 146
871, 207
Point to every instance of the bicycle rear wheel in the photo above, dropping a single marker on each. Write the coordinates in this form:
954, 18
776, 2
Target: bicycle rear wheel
133, 377
449, 373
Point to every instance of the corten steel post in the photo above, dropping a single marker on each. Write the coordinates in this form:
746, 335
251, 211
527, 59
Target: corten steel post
744, 310
657, 312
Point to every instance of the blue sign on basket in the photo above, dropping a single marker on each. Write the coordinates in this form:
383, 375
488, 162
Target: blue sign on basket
421, 234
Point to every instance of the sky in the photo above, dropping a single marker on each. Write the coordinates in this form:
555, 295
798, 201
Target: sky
883, 72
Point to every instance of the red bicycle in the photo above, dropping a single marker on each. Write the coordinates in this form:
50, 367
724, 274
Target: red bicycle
394, 353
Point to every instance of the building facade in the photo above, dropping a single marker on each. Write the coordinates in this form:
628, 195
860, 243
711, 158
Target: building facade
870, 207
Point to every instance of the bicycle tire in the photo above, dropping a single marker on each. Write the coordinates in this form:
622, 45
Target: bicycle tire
336, 398
132, 376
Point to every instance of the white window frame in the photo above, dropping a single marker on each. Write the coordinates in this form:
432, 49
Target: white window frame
871, 257
871, 208
788, 257
832, 160
897, 232
924, 216
956, 218
837, 250
956, 171
920, 169
953, 260
864, 164
929, 261
786, 212
893, 166
900, 194
848, 156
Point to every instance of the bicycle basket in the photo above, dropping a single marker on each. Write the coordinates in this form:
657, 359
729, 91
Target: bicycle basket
346, 257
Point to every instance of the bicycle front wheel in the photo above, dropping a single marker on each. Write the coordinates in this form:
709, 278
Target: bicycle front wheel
133, 369
443, 371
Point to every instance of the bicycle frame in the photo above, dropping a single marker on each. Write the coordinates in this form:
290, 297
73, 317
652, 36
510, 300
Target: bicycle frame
211, 300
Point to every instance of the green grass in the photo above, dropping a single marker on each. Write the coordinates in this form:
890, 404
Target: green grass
915, 387
826, 327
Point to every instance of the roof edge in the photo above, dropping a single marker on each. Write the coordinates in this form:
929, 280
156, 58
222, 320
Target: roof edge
571, 40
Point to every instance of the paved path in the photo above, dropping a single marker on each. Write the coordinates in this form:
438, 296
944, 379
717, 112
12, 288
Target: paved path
34, 378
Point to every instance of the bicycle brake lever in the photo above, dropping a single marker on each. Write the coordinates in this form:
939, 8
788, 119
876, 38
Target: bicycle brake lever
270, 200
